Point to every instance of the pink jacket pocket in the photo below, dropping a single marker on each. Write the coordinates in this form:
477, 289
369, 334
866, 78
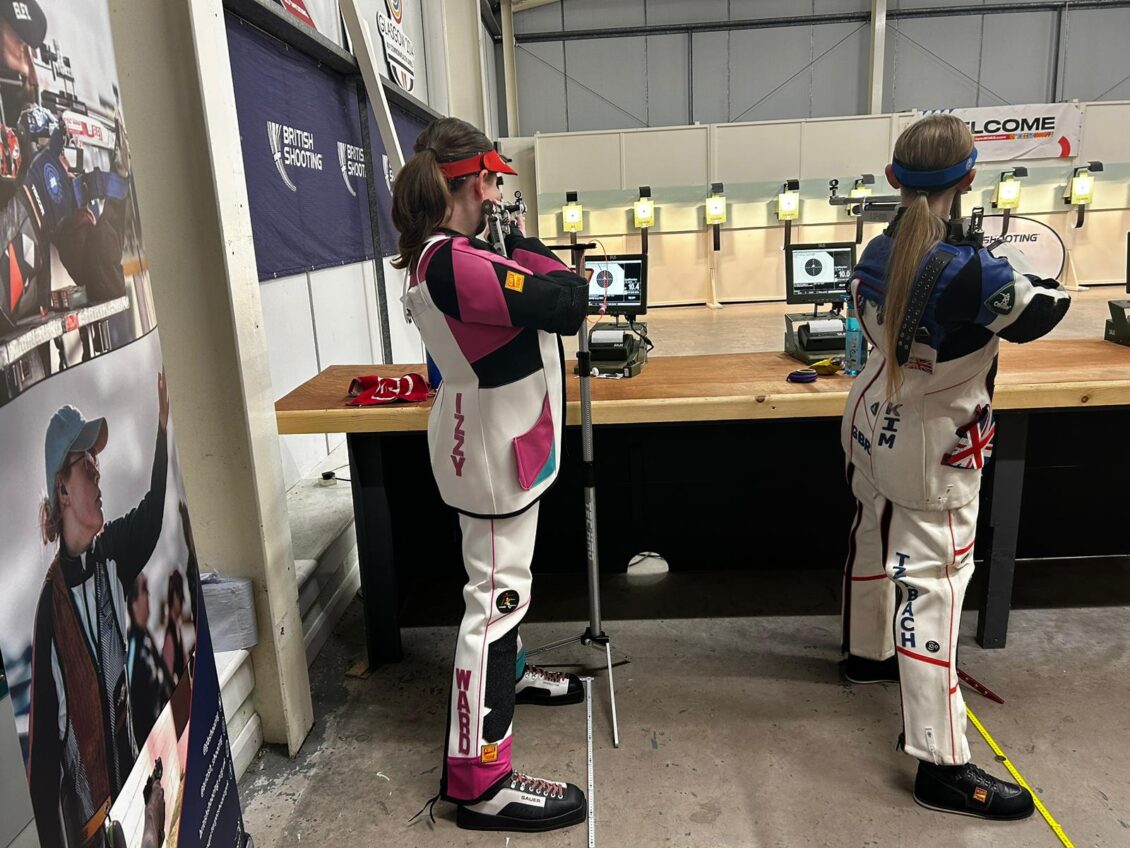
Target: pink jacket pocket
534, 450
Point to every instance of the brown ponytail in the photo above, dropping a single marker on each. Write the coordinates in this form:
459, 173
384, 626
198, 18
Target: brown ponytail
935, 141
421, 195
50, 521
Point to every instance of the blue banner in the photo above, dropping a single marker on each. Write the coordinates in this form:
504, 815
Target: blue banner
408, 127
210, 816
303, 157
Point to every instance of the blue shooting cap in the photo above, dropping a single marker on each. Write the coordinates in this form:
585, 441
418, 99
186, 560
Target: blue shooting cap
68, 432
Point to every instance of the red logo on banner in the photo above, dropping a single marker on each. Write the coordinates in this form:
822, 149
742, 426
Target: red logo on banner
297, 8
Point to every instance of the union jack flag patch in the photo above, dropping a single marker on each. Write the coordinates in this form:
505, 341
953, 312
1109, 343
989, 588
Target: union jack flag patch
975, 445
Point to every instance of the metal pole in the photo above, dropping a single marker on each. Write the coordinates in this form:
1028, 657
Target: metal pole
588, 471
878, 49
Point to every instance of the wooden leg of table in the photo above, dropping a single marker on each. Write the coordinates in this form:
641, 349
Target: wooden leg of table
1004, 519
375, 548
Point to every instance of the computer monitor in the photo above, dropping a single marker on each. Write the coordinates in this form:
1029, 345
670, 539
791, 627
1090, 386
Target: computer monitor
617, 284
818, 273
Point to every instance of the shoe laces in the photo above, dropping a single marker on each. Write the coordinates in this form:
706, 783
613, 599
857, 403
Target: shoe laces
979, 776
536, 785
548, 676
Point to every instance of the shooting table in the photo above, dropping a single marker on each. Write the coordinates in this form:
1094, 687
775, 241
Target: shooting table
679, 394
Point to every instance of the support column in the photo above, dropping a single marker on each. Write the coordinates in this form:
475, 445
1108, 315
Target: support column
510, 69
878, 52
176, 84
464, 61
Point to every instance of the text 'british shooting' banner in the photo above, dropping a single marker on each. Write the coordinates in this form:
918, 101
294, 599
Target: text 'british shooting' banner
300, 127
1004, 133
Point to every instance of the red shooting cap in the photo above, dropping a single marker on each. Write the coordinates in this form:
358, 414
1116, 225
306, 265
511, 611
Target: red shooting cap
491, 161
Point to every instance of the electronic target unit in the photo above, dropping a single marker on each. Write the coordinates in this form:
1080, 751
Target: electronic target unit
618, 287
816, 274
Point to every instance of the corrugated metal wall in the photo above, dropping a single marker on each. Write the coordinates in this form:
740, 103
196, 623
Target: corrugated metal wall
803, 71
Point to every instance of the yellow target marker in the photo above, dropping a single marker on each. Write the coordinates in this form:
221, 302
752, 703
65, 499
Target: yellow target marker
1052, 823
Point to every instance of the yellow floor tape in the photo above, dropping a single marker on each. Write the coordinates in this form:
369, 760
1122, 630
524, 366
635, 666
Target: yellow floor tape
1052, 823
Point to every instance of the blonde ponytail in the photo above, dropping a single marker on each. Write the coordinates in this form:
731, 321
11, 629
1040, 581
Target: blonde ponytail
933, 142
919, 232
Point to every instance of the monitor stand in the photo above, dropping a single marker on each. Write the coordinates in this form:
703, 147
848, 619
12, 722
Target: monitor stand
808, 347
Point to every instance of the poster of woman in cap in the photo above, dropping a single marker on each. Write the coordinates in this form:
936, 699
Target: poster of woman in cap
81, 734
116, 715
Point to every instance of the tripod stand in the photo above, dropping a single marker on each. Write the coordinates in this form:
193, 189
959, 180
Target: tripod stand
594, 635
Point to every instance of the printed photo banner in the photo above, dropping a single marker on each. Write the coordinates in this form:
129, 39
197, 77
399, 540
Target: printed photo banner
1006, 133
112, 732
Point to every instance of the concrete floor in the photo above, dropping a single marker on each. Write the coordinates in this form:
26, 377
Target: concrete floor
735, 732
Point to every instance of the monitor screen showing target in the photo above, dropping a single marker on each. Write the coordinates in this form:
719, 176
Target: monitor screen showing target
818, 273
617, 284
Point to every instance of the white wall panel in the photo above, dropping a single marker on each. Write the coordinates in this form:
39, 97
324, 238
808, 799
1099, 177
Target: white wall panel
406, 344
660, 158
369, 269
578, 162
290, 332
756, 153
292, 359
341, 323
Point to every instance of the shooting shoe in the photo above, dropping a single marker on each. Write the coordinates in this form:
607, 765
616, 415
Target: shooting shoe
969, 791
548, 688
523, 803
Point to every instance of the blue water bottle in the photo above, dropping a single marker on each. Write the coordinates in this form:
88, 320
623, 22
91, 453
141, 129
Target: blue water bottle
855, 345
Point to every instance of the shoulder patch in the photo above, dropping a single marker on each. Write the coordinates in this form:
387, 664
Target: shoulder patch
1003, 299
515, 281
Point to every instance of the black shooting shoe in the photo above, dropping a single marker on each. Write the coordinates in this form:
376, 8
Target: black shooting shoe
861, 670
969, 791
548, 688
523, 803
